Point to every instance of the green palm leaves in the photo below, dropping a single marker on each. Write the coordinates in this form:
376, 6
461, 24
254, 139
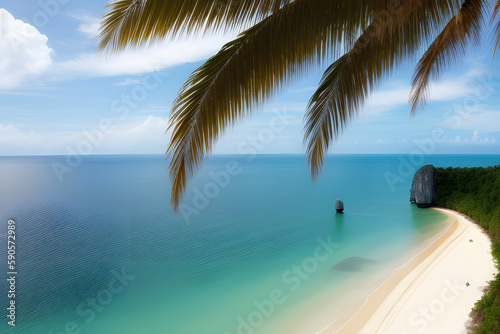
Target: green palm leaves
463, 29
497, 27
364, 39
138, 22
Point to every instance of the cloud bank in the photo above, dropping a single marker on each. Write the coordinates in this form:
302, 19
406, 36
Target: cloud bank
24, 52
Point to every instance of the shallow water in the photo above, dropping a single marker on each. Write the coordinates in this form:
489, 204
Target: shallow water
101, 251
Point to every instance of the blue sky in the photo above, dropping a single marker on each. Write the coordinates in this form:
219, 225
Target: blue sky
57, 93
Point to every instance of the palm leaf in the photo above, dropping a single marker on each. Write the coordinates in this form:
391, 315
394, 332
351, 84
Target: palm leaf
132, 23
462, 29
137, 22
249, 70
291, 36
348, 81
341, 92
496, 9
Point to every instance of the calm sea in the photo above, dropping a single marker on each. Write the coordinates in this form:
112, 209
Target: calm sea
256, 247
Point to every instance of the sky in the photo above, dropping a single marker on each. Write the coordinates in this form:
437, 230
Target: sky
59, 96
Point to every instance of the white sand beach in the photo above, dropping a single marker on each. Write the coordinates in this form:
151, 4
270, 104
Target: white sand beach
429, 294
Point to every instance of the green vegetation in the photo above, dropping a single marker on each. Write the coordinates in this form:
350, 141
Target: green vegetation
476, 192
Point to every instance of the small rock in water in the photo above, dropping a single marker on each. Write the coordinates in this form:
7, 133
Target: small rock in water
339, 206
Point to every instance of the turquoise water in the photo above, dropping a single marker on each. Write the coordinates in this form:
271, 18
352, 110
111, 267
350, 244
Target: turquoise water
260, 251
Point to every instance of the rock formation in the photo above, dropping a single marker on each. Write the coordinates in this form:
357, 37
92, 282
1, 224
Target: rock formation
423, 190
339, 206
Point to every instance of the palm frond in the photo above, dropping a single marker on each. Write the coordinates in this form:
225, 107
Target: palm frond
291, 36
132, 23
496, 9
462, 29
348, 81
341, 92
329, 110
129, 23
247, 71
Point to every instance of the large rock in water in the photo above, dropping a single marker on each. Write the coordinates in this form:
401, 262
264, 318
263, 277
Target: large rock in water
339, 206
423, 190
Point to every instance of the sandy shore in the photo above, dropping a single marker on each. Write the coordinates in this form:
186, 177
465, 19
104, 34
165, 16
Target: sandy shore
429, 294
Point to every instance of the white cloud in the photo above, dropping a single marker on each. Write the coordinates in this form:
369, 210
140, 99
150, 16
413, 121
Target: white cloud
129, 82
136, 61
144, 60
475, 139
475, 136
13, 140
389, 98
398, 95
24, 52
449, 90
90, 25
144, 135
485, 121
455, 141
380, 141
153, 127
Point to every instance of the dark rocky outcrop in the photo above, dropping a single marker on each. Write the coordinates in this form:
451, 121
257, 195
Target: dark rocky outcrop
339, 206
423, 190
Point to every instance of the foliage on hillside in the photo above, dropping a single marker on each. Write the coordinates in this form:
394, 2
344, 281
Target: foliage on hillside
476, 192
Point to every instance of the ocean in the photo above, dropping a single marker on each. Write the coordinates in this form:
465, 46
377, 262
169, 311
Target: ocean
256, 247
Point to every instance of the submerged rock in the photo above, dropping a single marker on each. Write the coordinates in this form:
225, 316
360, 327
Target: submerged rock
423, 190
339, 206
353, 264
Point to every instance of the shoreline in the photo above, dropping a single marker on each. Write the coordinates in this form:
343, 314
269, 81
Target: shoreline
429, 293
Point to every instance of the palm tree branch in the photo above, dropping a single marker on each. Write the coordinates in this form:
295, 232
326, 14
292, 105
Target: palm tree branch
348, 81
462, 29
496, 9
247, 71
129, 23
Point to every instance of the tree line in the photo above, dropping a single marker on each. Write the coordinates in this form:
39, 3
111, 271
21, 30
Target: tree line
476, 193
